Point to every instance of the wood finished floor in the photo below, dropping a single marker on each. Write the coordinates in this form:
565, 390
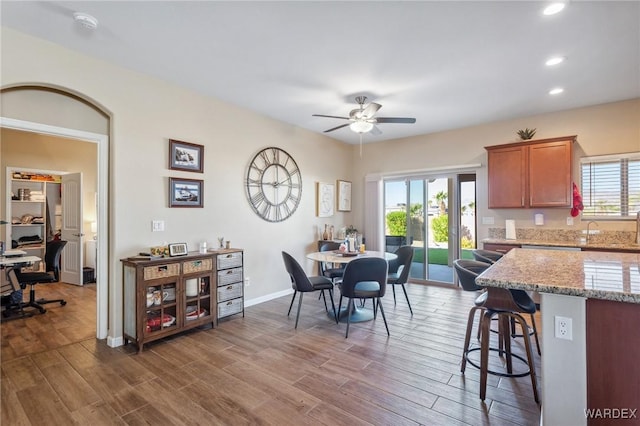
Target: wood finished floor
257, 369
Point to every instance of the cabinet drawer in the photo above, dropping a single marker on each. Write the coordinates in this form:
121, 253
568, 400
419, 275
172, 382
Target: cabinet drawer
230, 291
230, 260
230, 307
197, 266
161, 271
229, 276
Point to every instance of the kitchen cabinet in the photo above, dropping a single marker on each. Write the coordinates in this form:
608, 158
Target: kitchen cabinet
531, 174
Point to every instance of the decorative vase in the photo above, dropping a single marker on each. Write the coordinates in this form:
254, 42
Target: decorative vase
325, 234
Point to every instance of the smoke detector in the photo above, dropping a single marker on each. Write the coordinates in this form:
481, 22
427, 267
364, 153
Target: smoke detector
85, 20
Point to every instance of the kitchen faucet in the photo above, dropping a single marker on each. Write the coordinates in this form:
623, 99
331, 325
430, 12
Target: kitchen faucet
588, 232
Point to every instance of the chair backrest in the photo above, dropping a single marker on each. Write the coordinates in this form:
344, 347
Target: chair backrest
402, 263
364, 269
393, 242
299, 279
487, 256
52, 257
467, 271
329, 246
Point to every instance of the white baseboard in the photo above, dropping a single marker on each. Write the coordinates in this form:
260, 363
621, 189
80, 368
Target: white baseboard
266, 298
114, 342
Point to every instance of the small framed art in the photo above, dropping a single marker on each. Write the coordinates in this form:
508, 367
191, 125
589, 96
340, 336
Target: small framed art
325, 196
177, 249
185, 192
344, 195
186, 156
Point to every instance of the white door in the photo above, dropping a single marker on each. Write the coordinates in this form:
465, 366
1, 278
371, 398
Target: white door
72, 262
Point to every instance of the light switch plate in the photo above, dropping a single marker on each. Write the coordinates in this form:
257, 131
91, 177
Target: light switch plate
157, 225
487, 220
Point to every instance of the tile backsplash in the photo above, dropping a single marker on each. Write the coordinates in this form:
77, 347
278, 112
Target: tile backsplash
566, 236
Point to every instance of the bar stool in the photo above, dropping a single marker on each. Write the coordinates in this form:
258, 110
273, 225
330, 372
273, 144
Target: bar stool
507, 305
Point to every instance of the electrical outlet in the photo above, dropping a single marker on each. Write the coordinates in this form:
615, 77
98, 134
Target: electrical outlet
487, 220
564, 327
157, 225
247, 282
569, 221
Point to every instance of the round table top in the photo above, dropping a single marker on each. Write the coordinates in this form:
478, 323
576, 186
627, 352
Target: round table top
333, 257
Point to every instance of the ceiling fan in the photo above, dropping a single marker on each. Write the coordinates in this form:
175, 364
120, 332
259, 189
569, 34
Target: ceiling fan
362, 119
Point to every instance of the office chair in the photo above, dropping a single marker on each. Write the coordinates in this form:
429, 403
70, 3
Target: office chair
51, 275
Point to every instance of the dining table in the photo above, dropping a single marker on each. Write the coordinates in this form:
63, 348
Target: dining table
359, 313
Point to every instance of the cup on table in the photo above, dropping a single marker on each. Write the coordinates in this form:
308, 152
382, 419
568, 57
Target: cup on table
169, 294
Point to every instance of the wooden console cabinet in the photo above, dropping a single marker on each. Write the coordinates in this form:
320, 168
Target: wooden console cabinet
531, 174
165, 296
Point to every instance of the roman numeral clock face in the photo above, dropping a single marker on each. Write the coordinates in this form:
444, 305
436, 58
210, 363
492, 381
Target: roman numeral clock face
274, 184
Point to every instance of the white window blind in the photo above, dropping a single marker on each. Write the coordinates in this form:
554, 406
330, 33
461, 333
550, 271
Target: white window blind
611, 185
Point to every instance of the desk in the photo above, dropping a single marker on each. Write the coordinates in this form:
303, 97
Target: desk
10, 261
359, 314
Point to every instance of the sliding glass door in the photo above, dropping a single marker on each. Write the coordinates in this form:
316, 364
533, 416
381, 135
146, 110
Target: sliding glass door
436, 216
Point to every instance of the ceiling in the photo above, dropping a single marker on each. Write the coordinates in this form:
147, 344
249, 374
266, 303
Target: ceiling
448, 64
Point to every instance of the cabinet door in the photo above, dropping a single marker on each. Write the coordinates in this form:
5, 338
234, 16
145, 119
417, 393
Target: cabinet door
550, 174
507, 169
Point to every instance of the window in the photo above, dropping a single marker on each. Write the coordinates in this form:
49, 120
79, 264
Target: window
611, 185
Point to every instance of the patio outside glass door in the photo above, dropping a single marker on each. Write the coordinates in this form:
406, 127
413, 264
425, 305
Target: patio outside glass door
418, 213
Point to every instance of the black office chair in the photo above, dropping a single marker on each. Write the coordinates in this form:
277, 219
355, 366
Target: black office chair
51, 275
364, 278
399, 270
302, 283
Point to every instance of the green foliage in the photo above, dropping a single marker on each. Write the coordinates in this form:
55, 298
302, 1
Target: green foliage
467, 243
397, 223
440, 228
526, 133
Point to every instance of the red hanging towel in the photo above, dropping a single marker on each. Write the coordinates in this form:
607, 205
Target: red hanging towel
577, 201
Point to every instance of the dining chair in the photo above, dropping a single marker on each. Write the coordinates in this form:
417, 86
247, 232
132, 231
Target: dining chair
302, 283
329, 270
51, 275
364, 278
399, 269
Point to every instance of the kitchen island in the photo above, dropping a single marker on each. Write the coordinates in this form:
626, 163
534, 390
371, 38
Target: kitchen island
599, 294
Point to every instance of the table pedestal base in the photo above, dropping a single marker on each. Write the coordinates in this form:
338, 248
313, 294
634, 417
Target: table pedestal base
358, 315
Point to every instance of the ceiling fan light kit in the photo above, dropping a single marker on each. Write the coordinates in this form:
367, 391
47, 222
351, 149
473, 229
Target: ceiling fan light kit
363, 120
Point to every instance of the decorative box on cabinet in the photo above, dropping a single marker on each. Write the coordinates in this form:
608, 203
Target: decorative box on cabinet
230, 282
166, 296
534, 173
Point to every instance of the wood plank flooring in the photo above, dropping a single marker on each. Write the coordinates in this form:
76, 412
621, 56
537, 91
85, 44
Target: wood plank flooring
258, 369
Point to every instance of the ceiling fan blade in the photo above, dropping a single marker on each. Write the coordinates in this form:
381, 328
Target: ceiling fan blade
375, 130
371, 109
336, 128
395, 120
330, 116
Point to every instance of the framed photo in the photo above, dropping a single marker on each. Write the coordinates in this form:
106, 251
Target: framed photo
177, 249
344, 195
186, 156
325, 196
185, 192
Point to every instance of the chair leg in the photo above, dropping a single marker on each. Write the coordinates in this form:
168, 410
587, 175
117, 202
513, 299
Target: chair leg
393, 290
527, 344
535, 333
379, 305
292, 299
467, 337
505, 324
349, 311
407, 297
299, 307
485, 323
333, 305
325, 301
32, 300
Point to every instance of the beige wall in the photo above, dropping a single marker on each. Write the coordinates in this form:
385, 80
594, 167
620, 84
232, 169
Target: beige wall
34, 151
601, 129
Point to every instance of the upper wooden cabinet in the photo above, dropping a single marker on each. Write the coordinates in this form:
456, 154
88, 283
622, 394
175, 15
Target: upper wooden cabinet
533, 173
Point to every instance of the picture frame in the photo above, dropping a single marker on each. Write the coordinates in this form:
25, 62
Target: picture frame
325, 198
343, 200
186, 156
178, 249
186, 192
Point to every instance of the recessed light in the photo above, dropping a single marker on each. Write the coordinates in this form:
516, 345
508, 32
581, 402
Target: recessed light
555, 61
553, 8
556, 91
85, 20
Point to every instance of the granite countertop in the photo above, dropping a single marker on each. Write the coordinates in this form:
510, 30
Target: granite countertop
591, 274
601, 245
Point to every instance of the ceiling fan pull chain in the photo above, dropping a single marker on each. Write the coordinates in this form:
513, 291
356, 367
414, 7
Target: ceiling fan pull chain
360, 145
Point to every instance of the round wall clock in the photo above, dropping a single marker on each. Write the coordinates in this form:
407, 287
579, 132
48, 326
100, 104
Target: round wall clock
274, 184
